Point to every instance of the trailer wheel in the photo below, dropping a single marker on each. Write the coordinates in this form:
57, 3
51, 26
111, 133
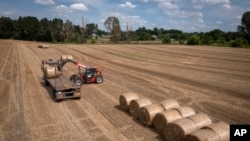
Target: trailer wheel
78, 81
99, 79
72, 77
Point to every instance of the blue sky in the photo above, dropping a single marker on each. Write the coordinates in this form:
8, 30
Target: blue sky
185, 15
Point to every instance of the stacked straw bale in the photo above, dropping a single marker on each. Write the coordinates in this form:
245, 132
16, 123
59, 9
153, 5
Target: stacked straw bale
215, 132
147, 113
169, 103
177, 130
66, 57
125, 100
136, 104
162, 119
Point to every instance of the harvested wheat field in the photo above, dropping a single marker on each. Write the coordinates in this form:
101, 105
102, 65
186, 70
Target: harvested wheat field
211, 80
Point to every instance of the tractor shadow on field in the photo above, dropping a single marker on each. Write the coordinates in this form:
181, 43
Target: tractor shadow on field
137, 121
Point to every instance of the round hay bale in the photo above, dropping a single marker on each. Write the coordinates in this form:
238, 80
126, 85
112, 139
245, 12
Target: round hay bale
147, 113
51, 72
221, 129
185, 111
136, 104
200, 120
44, 66
178, 129
66, 57
202, 135
169, 103
162, 119
125, 100
45, 46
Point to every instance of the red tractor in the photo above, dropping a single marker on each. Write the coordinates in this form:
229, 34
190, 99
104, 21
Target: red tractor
87, 75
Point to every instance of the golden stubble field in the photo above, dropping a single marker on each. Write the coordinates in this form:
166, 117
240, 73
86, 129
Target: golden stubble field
212, 80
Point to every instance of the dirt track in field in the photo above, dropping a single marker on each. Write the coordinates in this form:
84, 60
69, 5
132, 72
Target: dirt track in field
212, 80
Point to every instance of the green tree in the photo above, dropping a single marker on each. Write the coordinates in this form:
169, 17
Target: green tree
112, 24
6, 28
166, 39
91, 28
44, 33
239, 42
216, 35
27, 28
68, 30
57, 32
143, 34
245, 23
244, 28
194, 40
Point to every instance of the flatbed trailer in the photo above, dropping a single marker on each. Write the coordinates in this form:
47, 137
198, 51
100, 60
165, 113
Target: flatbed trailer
63, 88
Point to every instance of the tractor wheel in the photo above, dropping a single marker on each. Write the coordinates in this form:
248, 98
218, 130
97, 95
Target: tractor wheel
72, 77
99, 79
46, 83
78, 81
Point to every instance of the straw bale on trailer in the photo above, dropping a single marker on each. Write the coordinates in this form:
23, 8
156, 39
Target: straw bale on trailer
215, 132
52, 72
177, 130
147, 113
126, 98
136, 104
162, 119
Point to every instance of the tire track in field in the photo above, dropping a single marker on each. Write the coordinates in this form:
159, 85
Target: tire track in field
190, 66
178, 79
13, 126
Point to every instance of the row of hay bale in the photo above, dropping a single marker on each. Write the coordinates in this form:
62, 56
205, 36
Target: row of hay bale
175, 123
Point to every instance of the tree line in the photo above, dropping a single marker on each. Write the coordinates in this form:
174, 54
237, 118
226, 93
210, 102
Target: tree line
56, 30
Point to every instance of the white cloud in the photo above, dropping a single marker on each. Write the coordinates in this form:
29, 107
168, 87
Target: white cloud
167, 5
135, 20
183, 14
127, 5
199, 7
238, 17
218, 22
216, 1
145, 1
62, 9
227, 6
79, 6
44, 2
7, 13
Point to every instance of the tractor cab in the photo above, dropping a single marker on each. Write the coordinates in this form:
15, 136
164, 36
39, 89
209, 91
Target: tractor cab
89, 73
92, 74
